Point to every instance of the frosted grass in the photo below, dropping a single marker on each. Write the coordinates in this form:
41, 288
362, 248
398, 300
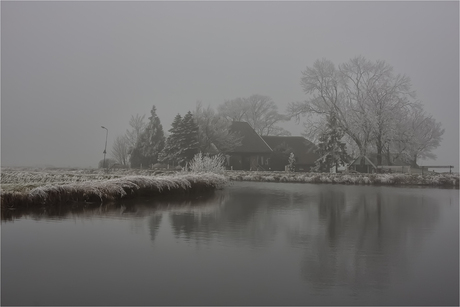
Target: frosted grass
445, 180
24, 188
21, 190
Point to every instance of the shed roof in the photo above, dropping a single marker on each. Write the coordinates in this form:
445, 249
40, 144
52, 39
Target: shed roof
251, 141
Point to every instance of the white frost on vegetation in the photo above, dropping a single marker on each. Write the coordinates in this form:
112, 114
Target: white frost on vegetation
385, 179
41, 187
207, 164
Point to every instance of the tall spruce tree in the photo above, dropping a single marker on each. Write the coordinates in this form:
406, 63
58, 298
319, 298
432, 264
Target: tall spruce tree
332, 151
149, 144
172, 149
189, 142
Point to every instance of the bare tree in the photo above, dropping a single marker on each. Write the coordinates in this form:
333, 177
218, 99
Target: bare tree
262, 114
214, 130
259, 111
384, 96
424, 135
368, 99
328, 94
137, 127
120, 150
234, 109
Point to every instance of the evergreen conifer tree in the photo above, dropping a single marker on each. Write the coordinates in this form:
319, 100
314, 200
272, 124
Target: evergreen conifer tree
332, 151
188, 138
172, 149
135, 158
150, 143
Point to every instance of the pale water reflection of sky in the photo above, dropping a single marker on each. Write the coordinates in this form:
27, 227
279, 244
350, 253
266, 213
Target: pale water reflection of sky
70, 67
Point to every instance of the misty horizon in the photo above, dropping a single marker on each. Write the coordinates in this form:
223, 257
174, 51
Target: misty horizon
69, 68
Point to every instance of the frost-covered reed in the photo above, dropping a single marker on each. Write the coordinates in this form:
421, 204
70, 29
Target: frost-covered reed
100, 191
445, 180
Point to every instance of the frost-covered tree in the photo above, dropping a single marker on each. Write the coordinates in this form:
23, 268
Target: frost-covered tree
424, 134
149, 144
234, 109
368, 99
188, 138
214, 130
172, 149
332, 150
120, 150
182, 143
262, 114
137, 127
328, 92
124, 145
259, 111
291, 160
389, 100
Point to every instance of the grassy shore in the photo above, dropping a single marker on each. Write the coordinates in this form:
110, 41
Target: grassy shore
23, 189
436, 180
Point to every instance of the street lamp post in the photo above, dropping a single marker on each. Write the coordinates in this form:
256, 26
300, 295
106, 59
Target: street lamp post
105, 148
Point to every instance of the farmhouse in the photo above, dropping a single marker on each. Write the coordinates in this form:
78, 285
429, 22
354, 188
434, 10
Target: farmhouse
253, 153
269, 152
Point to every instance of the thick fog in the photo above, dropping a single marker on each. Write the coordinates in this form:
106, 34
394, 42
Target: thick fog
68, 68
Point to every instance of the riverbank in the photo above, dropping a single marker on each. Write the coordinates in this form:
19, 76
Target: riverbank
436, 180
22, 189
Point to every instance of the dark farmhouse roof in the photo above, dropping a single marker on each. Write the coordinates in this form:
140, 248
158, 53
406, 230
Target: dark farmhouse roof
251, 141
303, 149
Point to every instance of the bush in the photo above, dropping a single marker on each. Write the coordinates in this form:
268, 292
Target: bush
207, 164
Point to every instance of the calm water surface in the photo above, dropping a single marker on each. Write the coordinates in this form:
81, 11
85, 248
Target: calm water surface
249, 244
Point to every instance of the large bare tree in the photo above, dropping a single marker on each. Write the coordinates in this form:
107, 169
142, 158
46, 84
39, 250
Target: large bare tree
120, 150
379, 96
234, 109
124, 144
423, 135
259, 111
327, 94
214, 130
371, 103
137, 127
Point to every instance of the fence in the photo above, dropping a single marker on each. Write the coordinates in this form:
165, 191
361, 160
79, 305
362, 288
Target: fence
426, 167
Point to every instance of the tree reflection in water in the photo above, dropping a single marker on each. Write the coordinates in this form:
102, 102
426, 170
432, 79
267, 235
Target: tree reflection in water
154, 225
354, 236
235, 221
364, 239
360, 236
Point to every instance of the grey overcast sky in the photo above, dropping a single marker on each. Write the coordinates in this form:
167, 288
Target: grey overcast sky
69, 67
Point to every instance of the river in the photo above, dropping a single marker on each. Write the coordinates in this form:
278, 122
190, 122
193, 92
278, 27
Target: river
248, 244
